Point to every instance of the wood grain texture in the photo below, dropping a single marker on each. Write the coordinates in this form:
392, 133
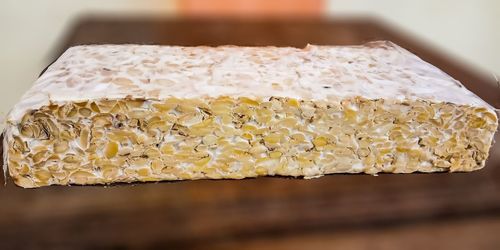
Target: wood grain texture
273, 213
456, 234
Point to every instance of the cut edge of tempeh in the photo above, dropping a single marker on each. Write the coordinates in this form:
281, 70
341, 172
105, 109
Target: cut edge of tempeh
137, 140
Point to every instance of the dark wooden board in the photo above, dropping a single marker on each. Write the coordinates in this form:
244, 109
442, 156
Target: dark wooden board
263, 212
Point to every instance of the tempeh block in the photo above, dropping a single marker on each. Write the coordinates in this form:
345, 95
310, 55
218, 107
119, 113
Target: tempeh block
134, 113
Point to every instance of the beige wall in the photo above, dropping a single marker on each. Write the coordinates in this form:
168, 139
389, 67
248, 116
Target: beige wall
31, 28
467, 29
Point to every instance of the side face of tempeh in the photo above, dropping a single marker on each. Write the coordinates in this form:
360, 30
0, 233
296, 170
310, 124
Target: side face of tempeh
179, 139
231, 130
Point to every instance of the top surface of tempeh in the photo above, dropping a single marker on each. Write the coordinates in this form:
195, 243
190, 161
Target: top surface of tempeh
374, 70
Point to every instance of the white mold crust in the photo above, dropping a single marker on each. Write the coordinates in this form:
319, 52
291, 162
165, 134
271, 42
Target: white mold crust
376, 70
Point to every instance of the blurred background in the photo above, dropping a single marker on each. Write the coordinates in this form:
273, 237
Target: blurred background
419, 211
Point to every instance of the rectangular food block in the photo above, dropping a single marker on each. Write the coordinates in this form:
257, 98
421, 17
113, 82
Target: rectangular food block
133, 113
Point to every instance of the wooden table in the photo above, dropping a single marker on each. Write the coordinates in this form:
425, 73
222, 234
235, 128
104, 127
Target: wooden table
430, 211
